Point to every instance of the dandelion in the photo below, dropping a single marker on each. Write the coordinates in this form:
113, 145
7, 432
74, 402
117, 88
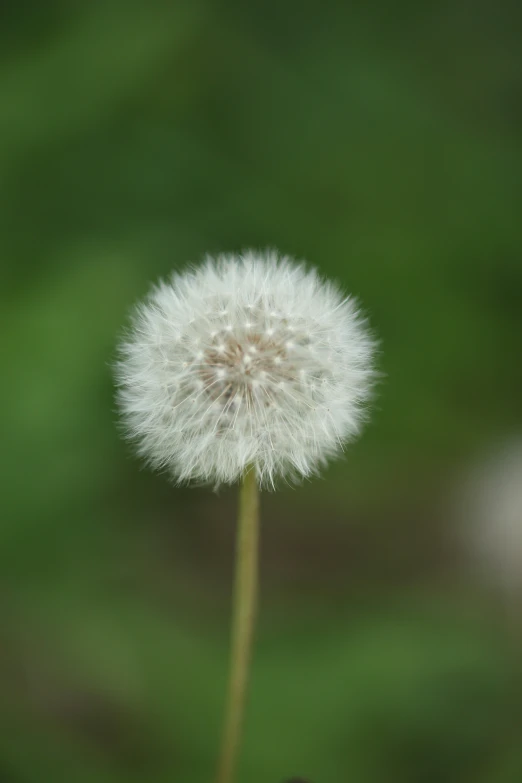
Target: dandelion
246, 361
488, 512
248, 368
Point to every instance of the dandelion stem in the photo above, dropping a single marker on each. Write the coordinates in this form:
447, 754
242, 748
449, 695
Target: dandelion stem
244, 610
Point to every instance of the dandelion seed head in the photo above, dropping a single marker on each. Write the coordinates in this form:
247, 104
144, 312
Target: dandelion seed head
249, 359
487, 511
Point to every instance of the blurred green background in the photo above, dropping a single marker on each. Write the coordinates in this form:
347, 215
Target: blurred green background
382, 143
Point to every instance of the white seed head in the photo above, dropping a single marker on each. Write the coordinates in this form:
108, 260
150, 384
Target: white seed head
488, 511
249, 359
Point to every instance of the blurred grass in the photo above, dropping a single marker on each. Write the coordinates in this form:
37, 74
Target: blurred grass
383, 146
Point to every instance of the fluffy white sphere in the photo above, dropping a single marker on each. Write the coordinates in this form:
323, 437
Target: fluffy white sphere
248, 360
489, 515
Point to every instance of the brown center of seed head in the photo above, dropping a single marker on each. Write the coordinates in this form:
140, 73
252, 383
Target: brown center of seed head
232, 368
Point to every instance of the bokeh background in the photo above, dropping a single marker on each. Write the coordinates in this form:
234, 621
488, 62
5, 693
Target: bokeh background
382, 143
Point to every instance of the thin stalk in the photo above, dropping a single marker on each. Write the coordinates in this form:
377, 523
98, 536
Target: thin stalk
244, 611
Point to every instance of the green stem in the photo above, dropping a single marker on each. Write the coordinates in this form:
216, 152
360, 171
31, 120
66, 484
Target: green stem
245, 600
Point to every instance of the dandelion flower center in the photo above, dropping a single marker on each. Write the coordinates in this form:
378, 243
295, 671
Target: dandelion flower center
247, 367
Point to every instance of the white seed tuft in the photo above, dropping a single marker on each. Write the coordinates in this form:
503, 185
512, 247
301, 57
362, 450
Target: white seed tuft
249, 359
